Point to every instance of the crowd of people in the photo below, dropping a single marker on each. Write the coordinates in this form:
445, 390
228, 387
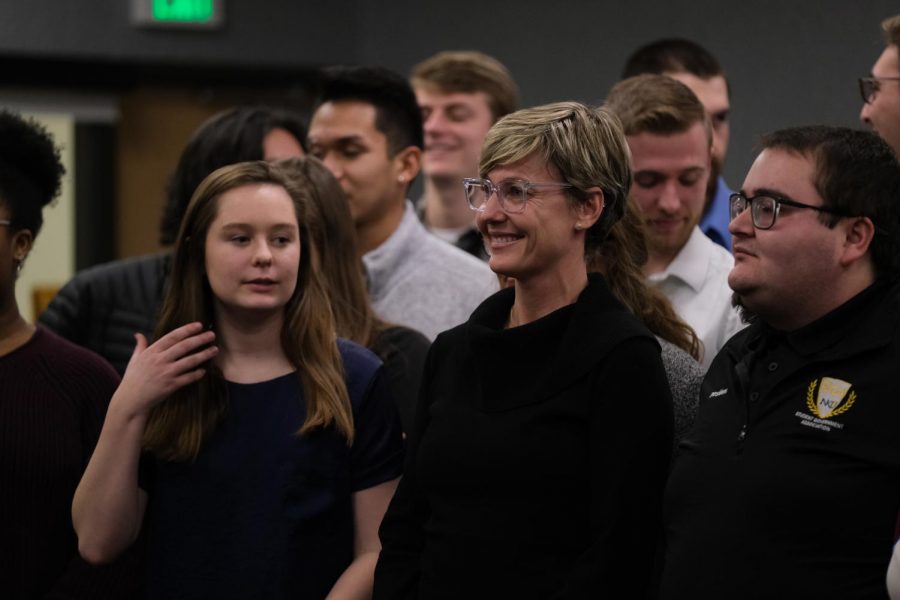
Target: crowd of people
580, 365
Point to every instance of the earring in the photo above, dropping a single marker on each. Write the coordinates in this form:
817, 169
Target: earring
402, 179
579, 226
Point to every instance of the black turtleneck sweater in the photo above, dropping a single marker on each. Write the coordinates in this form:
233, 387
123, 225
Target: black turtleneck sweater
538, 459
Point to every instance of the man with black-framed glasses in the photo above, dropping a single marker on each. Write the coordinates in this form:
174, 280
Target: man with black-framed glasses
881, 92
789, 484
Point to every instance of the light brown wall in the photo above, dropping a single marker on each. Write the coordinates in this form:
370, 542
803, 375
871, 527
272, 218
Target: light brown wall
52, 259
154, 126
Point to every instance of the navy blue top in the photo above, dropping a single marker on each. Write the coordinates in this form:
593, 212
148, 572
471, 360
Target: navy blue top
262, 512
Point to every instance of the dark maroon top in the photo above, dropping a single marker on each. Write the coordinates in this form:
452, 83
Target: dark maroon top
53, 398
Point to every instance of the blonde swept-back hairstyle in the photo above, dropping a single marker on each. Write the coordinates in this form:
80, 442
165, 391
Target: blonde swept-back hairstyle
469, 71
620, 259
333, 235
585, 145
178, 427
658, 105
891, 29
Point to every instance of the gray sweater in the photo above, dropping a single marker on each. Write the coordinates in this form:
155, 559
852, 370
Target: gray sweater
422, 282
685, 376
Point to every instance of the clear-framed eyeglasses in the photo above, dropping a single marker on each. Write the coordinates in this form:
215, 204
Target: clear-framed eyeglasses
869, 86
512, 194
764, 208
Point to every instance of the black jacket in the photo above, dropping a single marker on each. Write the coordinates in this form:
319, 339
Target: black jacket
789, 484
101, 308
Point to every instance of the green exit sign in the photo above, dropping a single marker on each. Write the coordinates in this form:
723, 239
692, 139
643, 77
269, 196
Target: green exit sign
178, 14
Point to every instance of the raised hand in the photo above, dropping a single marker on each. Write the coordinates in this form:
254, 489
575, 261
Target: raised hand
171, 362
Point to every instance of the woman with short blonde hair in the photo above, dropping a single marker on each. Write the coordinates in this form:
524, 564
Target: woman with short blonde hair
543, 434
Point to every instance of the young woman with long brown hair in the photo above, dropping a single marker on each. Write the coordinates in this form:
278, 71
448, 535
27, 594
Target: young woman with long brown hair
271, 449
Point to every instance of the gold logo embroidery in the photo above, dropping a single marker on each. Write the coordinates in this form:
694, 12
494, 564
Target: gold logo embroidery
831, 398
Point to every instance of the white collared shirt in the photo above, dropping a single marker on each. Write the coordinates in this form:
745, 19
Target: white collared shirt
696, 282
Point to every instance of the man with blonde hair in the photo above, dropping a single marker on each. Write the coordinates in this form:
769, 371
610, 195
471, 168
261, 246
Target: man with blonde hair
881, 91
670, 137
461, 94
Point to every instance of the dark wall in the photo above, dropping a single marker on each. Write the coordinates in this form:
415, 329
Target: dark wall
788, 62
256, 32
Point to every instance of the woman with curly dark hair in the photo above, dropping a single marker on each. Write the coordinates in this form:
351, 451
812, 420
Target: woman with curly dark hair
53, 396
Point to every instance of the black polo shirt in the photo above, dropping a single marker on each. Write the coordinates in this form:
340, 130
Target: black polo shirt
789, 484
